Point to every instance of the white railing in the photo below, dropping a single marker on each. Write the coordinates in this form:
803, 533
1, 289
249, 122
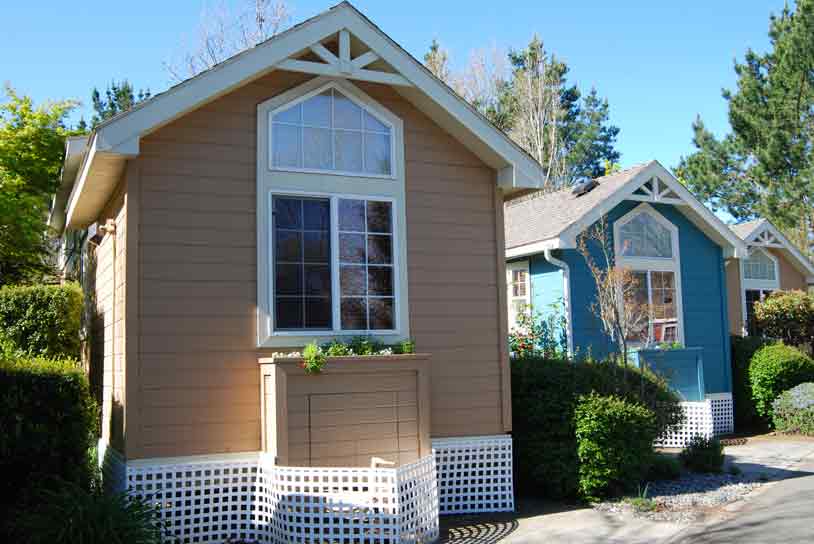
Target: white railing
710, 417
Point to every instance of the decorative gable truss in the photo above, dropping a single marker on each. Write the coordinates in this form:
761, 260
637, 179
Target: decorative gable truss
766, 238
655, 190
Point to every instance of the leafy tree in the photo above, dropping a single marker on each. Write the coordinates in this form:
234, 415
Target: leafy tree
32, 143
765, 165
118, 97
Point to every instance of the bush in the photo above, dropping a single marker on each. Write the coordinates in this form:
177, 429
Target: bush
545, 393
703, 454
794, 410
788, 316
614, 444
47, 423
664, 467
42, 319
743, 348
774, 369
66, 513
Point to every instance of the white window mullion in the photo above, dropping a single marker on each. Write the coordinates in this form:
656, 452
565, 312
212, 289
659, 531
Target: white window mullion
335, 286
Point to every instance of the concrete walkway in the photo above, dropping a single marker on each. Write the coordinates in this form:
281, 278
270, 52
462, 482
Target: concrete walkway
782, 511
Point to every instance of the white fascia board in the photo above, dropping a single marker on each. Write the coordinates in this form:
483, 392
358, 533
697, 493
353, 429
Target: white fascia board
534, 248
81, 180
804, 265
732, 244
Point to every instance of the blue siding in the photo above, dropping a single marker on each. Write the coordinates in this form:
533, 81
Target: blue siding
703, 289
547, 288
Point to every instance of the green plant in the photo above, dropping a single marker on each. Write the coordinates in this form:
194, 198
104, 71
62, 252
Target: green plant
362, 345
703, 454
664, 467
774, 369
538, 334
545, 393
42, 319
670, 345
641, 502
47, 423
614, 444
405, 347
335, 348
743, 348
313, 359
793, 410
65, 513
788, 316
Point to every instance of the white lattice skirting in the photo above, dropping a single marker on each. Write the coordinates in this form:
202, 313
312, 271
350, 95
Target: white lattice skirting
255, 500
474, 474
711, 417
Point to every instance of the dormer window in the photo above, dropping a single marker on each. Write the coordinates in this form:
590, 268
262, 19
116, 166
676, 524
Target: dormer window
759, 266
331, 132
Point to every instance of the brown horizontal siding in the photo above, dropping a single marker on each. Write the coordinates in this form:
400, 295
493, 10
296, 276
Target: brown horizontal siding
197, 287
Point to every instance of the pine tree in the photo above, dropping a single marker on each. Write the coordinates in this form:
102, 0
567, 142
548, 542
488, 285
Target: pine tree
118, 97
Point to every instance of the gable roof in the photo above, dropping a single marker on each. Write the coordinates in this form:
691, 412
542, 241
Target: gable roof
762, 233
540, 221
117, 139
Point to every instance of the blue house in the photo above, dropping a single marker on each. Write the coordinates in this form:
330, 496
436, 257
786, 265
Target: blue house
675, 247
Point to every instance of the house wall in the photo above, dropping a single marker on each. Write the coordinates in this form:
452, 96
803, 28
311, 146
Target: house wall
704, 295
198, 388
790, 277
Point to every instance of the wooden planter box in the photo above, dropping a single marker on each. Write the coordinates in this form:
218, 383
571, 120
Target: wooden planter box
683, 368
356, 409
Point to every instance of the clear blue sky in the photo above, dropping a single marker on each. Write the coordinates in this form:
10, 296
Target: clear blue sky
658, 63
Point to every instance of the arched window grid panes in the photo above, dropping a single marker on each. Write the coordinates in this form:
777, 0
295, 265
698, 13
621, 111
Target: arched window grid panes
645, 236
759, 266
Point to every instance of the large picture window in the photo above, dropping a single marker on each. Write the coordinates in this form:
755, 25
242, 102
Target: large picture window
330, 132
306, 268
657, 290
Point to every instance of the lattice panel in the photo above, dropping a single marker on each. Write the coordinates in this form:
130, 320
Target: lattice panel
723, 415
255, 500
474, 474
698, 421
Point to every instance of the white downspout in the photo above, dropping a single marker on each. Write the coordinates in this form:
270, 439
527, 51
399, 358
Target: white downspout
566, 290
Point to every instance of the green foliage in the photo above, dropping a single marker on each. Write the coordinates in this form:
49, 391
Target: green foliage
118, 98
32, 141
765, 167
47, 423
664, 467
743, 348
42, 319
545, 393
787, 316
313, 359
535, 334
66, 513
793, 410
703, 454
404, 347
614, 444
774, 369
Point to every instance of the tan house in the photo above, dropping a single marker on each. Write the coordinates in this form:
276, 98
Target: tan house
774, 264
321, 185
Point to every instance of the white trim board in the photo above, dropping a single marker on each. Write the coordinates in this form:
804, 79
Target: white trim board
799, 261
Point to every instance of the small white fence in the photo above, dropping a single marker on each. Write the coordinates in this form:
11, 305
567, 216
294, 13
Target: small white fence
258, 501
710, 417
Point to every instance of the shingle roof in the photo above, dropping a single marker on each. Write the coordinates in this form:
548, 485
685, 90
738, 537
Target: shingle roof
745, 229
540, 216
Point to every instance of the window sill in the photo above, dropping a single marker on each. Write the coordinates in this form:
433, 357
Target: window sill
298, 339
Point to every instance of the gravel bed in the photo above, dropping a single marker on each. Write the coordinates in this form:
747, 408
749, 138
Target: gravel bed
687, 499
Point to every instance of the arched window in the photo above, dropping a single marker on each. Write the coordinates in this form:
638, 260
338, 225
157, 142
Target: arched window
759, 279
645, 236
759, 266
331, 132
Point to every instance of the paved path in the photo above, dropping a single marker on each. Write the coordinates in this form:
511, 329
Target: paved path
779, 512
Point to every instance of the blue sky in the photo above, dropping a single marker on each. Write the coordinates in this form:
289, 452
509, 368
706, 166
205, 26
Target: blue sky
658, 63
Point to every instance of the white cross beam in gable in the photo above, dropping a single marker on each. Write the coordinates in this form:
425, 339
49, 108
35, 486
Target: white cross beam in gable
767, 239
343, 66
656, 191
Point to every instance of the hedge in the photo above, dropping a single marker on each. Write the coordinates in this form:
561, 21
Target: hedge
794, 410
743, 348
787, 316
614, 444
47, 424
545, 393
774, 369
42, 319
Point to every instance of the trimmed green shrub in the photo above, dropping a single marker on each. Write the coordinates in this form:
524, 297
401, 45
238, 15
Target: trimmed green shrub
664, 467
545, 393
793, 410
787, 316
703, 454
774, 369
614, 444
47, 423
42, 319
743, 348
65, 513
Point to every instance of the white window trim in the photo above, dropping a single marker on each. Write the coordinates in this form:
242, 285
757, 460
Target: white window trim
756, 285
653, 264
333, 185
510, 269
365, 108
